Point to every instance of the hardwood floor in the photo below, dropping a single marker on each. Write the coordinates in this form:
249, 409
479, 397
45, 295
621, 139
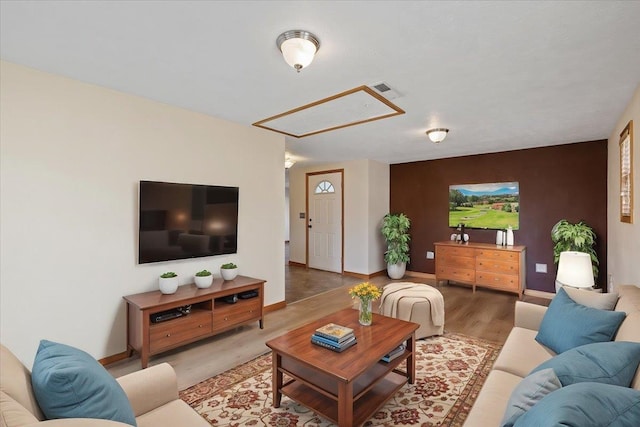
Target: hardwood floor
485, 314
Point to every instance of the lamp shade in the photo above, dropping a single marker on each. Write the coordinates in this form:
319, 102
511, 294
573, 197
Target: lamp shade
574, 270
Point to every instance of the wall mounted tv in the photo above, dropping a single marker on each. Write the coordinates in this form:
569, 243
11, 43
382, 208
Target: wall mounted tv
179, 221
494, 206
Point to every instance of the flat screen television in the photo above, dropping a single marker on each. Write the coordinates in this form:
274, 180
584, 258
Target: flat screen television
494, 206
179, 221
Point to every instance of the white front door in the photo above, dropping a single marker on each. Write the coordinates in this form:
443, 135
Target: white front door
324, 222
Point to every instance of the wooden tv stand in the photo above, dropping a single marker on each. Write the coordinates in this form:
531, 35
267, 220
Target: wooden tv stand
209, 315
482, 264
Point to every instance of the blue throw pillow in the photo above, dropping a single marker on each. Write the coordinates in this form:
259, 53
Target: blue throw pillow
69, 383
567, 324
585, 405
528, 392
613, 362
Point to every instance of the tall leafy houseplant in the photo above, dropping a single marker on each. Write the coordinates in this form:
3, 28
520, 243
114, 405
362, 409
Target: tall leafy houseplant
574, 237
395, 229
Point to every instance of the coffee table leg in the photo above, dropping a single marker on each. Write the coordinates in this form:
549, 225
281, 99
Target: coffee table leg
345, 404
276, 378
411, 360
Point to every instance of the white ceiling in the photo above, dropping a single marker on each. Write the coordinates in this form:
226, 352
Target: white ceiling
501, 75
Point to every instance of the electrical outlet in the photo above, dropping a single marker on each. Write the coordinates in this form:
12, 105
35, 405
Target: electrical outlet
430, 255
541, 268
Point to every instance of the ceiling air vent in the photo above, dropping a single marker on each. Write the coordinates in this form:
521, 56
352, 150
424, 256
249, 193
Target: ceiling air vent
385, 90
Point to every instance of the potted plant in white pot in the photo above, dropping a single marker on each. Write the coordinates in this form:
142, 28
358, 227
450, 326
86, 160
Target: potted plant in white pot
203, 279
168, 282
395, 229
578, 237
229, 271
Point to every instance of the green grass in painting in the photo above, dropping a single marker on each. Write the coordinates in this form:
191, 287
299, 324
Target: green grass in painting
483, 217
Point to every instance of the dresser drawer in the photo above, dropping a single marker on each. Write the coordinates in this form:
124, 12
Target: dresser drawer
458, 261
225, 315
497, 254
498, 281
497, 266
461, 250
463, 275
170, 333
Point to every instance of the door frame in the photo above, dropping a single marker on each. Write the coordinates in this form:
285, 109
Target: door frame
307, 175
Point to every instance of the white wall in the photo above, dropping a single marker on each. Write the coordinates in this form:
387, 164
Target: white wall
72, 155
623, 252
366, 201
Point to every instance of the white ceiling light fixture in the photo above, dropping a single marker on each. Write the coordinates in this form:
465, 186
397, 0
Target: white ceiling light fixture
288, 163
438, 134
298, 47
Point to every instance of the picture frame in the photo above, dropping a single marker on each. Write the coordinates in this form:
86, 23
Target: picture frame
626, 174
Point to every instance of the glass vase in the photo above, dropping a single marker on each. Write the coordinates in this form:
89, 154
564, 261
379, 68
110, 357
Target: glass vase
365, 316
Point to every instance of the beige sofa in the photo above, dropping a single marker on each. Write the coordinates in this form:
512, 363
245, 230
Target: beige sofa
522, 353
153, 393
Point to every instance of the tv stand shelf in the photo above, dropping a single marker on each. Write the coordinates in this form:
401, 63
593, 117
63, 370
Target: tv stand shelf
207, 316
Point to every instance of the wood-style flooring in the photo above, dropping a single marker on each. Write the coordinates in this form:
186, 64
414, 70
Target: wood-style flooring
485, 314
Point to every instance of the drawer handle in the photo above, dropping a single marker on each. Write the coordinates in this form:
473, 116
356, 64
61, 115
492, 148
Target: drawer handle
168, 335
226, 318
199, 326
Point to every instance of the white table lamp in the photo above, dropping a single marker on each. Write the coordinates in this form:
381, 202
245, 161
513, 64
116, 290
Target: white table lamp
574, 270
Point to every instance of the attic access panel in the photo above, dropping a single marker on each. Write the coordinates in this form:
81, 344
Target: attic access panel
349, 108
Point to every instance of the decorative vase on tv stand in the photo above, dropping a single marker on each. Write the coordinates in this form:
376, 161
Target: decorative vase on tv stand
203, 279
168, 283
229, 271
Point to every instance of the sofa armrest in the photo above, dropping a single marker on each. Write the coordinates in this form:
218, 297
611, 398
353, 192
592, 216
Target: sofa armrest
529, 316
150, 388
78, 422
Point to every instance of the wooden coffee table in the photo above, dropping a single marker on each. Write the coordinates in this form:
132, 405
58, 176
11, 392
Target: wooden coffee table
348, 387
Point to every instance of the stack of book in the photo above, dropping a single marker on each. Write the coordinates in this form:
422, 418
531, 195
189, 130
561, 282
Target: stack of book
334, 337
395, 353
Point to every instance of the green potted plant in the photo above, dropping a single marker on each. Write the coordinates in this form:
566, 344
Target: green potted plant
229, 271
168, 282
577, 237
203, 279
395, 229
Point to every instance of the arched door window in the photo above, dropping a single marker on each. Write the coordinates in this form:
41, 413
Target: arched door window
324, 187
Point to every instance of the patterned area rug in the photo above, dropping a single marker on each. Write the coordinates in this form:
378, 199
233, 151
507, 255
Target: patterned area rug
450, 371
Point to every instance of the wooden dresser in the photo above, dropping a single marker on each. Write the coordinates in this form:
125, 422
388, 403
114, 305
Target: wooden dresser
482, 264
209, 314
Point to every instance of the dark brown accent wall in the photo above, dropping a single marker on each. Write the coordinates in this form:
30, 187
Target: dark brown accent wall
563, 181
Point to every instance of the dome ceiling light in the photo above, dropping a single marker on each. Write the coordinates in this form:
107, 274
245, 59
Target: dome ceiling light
438, 134
298, 47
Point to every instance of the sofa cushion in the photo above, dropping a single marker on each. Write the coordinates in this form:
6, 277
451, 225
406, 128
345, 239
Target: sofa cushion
567, 324
521, 353
629, 301
630, 331
592, 299
173, 414
603, 362
69, 383
529, 392
13, 414
15, 380
492, 400
585, 404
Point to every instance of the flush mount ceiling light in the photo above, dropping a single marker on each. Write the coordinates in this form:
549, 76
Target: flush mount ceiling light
288, 163
298, 47
438, 134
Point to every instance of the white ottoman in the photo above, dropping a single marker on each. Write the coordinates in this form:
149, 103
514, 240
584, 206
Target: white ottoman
414, 302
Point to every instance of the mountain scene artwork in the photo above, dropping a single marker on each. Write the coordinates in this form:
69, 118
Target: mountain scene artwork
493, 206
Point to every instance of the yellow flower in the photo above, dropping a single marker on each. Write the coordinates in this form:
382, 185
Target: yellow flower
365, 291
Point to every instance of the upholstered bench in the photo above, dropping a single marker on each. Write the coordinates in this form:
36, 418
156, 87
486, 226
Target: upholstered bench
415, 302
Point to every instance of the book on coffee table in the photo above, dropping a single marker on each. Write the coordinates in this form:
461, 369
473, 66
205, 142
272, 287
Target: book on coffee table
393, 354
335, 332
332, 345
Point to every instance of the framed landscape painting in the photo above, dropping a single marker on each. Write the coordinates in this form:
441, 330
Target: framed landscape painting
493, 206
